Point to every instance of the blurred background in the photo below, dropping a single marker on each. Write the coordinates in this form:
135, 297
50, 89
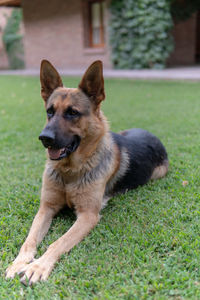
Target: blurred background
124, 34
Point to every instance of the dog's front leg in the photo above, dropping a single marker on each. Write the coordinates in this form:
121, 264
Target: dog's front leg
38, 230
52, 201
41, 268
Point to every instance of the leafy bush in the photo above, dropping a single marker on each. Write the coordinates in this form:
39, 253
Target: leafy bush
140, 33
13, 40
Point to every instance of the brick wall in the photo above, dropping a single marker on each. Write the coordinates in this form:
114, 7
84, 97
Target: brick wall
54, 31
184, 34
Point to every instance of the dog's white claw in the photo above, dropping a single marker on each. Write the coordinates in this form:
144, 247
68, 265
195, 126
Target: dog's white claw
24, 280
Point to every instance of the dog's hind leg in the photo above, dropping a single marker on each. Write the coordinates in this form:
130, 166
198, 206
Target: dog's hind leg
160, 171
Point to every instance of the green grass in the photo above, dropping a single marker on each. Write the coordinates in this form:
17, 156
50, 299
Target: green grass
147, 244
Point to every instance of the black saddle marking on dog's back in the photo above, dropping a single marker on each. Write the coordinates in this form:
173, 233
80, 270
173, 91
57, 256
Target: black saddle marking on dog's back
145, 152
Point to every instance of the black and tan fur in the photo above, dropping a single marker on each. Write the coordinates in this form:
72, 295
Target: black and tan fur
87, 164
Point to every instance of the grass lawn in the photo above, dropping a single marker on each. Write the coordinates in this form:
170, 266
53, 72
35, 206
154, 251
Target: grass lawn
147, 244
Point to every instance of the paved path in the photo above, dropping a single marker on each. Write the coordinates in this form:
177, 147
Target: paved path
181, 73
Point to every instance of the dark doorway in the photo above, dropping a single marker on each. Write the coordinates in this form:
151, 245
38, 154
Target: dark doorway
197, 56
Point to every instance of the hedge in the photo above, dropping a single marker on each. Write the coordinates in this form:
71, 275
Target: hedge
140, 33
13, 40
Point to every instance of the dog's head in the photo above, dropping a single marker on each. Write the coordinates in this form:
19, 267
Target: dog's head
70, 110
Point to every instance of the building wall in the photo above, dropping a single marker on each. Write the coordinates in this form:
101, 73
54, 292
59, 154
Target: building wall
184, 34
54, 31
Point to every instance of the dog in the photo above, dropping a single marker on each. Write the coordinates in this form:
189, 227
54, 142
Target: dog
86, 165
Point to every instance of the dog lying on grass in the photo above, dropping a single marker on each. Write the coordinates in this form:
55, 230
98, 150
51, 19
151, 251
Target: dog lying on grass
87, 164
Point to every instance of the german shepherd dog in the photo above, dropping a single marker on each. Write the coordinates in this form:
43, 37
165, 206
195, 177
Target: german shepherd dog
86, 165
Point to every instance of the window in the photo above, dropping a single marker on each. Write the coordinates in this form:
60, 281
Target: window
96, 19
94, 23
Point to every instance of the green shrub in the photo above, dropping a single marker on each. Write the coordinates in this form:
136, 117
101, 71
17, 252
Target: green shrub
13, 40
140, 33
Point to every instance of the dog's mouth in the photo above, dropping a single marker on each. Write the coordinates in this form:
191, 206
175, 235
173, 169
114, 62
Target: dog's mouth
58, 154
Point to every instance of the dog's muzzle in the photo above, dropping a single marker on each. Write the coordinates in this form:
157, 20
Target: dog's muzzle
58, 151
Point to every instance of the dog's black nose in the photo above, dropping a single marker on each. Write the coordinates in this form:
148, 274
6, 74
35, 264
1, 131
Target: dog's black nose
47, 137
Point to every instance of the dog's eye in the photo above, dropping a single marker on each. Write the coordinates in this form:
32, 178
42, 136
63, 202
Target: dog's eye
50, 112
71, 113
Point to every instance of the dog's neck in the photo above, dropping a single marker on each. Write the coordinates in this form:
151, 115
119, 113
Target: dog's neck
88, 151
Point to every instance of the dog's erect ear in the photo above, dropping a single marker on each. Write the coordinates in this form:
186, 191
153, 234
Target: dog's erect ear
49, 78
92, 83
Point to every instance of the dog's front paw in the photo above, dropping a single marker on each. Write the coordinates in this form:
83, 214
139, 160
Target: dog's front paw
36, 271
15, 268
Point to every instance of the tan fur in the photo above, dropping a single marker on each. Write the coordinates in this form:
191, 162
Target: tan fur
65, 181
81, 179
160, 171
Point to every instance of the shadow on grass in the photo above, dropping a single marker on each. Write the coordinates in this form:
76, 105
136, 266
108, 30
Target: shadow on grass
66, 213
